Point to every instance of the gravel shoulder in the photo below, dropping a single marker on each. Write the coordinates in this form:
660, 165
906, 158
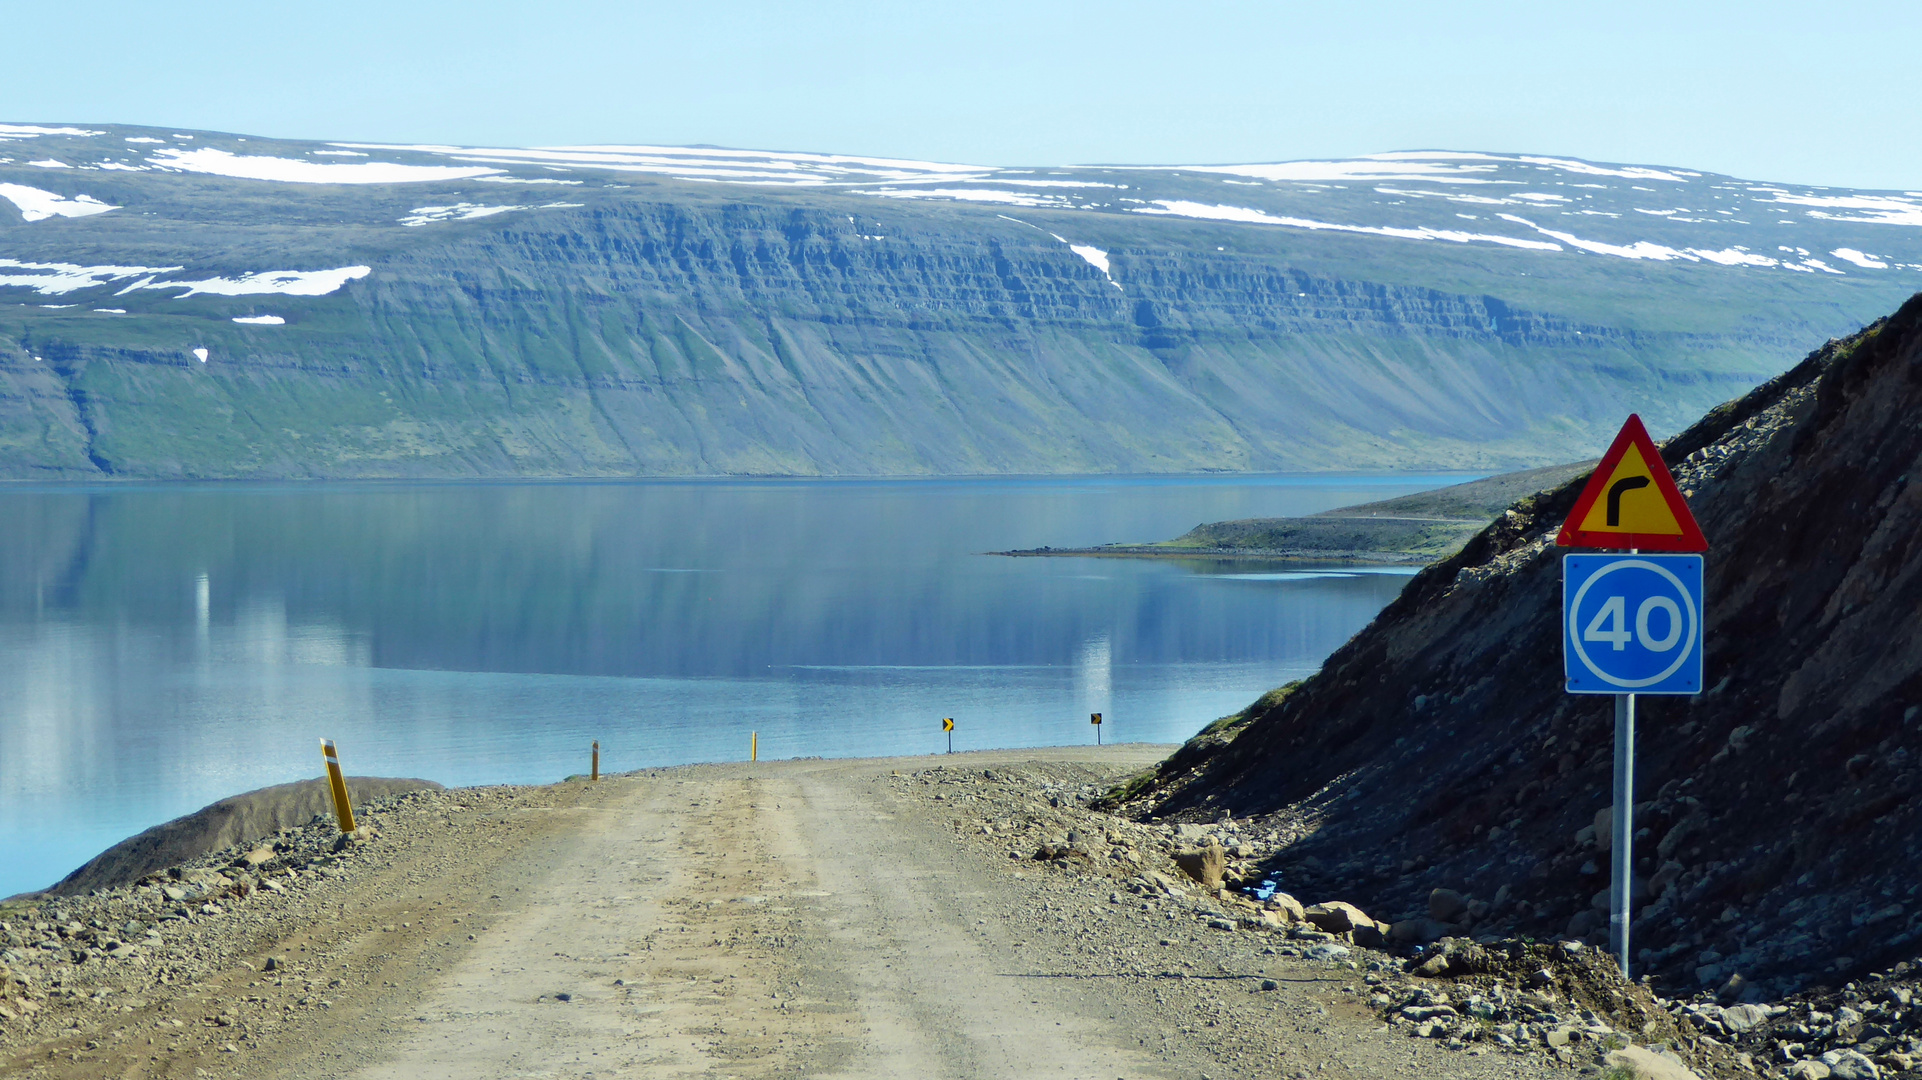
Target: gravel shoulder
782, 919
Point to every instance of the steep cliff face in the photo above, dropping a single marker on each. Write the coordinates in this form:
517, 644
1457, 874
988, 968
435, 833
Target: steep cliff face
1782, 808
409, 322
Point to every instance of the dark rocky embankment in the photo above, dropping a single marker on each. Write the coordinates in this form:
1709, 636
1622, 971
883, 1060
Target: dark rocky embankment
1779, 823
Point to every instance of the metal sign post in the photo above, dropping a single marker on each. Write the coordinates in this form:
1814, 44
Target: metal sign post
1631, 624
1621, 869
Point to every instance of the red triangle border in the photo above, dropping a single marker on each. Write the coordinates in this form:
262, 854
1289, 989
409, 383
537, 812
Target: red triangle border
1632, 434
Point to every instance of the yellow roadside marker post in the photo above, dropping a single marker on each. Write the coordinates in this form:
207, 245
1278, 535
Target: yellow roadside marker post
947, 725
595, 773
1095, 719
754, 746
343, 809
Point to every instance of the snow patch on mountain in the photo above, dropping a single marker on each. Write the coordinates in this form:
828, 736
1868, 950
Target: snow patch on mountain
1093, 256
1871, 209
58, 279
1644, 249
260, 320
38, 205
529, 180
284, 282
465, 211
986, 195
707, 163
1183, 208
1860, 258
29, 131
1358, 170
293, 171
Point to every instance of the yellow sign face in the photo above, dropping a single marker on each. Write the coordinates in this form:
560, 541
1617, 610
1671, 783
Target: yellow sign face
1632, 502
947, 724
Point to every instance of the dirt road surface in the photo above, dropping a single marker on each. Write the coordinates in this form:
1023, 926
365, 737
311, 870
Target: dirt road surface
780, 919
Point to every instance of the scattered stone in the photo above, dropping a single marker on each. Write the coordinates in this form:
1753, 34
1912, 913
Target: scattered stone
1337, 917
1288, 906
1741, 1018
1851, 1065
1447, 906
1207, 865
1325, 950
1419, 931
1640, 1063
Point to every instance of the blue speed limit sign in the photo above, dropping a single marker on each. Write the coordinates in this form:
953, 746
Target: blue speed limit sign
1632, 624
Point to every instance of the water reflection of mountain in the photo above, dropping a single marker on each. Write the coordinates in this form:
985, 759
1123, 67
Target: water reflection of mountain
677, 579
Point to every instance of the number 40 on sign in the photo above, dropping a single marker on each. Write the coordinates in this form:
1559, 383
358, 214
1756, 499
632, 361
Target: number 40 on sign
1632, 624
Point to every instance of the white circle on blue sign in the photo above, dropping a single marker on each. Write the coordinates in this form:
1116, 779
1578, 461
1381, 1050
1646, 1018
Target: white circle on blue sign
1632, 624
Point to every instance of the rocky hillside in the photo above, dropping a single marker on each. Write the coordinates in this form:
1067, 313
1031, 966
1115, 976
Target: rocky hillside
198, 304
1780, 812
246, 818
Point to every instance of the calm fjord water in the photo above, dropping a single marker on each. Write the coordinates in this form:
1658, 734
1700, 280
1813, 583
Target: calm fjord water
162, 646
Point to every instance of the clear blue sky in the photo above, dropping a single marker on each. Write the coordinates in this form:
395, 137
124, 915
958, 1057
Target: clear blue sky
1818, 93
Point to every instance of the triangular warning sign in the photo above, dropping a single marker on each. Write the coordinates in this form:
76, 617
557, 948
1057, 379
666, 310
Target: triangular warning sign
1631, 501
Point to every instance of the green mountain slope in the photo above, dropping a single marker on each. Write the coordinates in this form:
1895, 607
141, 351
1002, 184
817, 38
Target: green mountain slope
625, 311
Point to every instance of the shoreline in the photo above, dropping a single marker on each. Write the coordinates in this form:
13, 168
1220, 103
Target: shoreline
1408, 530
1262, 555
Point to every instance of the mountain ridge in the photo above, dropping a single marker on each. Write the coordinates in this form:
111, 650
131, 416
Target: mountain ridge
673, 311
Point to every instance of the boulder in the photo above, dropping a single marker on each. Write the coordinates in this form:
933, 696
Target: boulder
1325, 950
360, 835
1419, 931
1604, 828
258, 856
1808, 1070
1162, 881
1287, 905
1851, 1065
1665, 877
1337, 917
1741, 1018
1692, 827
1447, 905
1640, 1063
1372, 936
200, 876
1206, 865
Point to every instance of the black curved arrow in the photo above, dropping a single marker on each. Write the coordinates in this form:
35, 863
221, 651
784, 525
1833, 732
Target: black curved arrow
1615, 492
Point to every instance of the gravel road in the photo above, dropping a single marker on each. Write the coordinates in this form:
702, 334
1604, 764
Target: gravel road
871, 918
